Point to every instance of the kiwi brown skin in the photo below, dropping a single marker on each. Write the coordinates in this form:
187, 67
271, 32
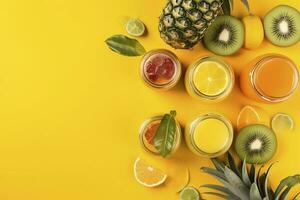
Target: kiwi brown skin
256, 144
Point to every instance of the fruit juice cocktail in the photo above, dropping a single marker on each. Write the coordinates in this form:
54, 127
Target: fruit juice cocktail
160, 69
210, 79
209, 135
147, 132
270, 78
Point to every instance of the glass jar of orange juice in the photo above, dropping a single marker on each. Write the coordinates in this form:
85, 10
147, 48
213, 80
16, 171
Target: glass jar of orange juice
209, 79
270, 78
209, 135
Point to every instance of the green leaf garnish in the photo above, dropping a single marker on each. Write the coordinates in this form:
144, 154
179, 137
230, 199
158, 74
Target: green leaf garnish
124, 45
165, 134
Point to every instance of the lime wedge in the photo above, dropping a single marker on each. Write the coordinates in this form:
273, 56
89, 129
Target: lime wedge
282, 122
135, 27
189, 193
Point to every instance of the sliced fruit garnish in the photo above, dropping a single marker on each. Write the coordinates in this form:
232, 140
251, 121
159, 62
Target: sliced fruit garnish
150, 132
148, 175
210, 78
248, 115
135, 27
189, 193
282, 122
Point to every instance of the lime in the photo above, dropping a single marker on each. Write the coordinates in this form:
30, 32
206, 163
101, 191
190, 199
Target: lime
189, 193
282, 122
135, 27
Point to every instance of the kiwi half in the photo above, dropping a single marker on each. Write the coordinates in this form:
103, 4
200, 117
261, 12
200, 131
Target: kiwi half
282, 25
225, 35
256, 143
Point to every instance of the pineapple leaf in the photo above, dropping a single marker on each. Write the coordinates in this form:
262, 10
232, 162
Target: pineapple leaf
245, 175
289, 181
285, 193
296, 196
252, 173
219, 188
239, 188
261, 184
215, 173
254, 192
219, 165
246, 4
227, 7
266, 181
217, 194
232, 165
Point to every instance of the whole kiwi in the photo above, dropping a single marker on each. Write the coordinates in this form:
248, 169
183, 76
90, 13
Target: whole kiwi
256, 143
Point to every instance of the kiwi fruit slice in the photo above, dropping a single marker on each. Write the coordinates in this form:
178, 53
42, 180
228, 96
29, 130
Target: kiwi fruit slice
256, 143
282, 25
225, 35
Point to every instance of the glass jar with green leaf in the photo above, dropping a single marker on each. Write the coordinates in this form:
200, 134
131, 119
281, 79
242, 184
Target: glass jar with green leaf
161, 134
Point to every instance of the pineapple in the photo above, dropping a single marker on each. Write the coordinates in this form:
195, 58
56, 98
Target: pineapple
183, 22
239, 183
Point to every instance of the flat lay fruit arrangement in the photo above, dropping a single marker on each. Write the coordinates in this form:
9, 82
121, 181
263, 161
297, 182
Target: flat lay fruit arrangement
240, 151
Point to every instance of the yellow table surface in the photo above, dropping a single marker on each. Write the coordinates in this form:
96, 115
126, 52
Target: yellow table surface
71, 109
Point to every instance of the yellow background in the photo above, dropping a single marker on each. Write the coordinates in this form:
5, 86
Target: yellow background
70, 109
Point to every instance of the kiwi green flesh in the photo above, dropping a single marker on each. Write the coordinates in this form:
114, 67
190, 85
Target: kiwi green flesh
256, 143
225, 35
282, 25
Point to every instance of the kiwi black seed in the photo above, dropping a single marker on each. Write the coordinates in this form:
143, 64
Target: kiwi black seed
282, 25
225, 35
256, 143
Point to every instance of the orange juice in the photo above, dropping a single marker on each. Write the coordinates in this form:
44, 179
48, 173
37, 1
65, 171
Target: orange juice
270, 78
209, 135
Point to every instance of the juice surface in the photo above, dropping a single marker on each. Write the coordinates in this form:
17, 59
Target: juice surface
211, 135
276, 77
211, 78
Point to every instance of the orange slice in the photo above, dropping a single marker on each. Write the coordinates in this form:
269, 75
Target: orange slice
147, 175
248, 115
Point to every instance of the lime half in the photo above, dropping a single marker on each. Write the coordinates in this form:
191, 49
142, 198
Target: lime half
189, 193
282, 122
135, 27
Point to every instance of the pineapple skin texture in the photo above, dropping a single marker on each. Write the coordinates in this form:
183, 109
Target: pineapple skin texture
183, 23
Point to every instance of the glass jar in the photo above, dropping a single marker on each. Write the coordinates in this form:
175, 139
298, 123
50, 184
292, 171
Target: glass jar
160, 69
194, 76
209, 135
146, 145
270, 78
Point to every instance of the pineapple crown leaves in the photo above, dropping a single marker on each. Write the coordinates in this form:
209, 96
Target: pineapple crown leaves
227, 6
241, 183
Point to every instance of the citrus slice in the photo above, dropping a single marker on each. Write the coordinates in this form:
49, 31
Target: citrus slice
210, 78
248, 115
282, 122
147, 175
189, 193
135, 27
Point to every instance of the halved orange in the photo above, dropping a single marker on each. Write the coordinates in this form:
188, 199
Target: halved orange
248, 115
148, 175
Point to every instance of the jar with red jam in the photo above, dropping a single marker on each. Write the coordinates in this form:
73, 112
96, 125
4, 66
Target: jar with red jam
160, 69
